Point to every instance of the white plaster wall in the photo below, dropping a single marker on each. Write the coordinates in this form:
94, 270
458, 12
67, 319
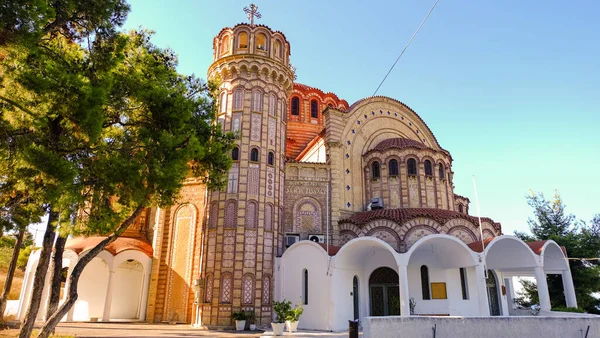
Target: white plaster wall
92, 288
343, 304
477, 327
454, 305
127, 290
309, 256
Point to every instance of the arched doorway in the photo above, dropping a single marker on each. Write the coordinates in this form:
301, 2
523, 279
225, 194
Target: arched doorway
492, 291
92, 288
127, 293
384, 292
355, 297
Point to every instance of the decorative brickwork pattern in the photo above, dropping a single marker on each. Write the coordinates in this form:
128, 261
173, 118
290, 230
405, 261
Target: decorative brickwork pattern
266, 290
212, 249
250, 248
226, 287
270, 182
267, 250
231, 213
251, 214
255, 133
248, 290
268, 216
272, 131
236, 123
228, 248
208, 289
253, 179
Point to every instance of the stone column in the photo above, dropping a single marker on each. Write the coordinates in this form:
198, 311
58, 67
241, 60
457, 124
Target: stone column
404, 294
482, 296
542, 286
108, 299
569, 289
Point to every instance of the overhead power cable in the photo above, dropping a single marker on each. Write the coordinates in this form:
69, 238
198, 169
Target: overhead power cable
405, 47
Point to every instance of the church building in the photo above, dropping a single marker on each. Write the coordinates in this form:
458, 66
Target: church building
346, 209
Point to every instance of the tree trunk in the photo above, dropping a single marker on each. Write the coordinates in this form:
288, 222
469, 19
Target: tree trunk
39, 278
11, 272
72, 295
59, 248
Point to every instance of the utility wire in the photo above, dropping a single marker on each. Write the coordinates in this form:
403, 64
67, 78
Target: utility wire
405, 47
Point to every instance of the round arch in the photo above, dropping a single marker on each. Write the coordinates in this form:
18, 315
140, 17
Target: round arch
509, 252
442, 251
553, 258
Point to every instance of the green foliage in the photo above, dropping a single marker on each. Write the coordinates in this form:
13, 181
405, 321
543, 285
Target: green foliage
239, 315
551, 222
250, 317
568, 309
7, 242
24, 257
282, 309
295, 313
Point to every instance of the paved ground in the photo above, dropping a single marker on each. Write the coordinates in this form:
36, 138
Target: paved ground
143, 330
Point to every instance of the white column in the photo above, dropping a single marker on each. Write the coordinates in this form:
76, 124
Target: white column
569, 288
108, 299
482, 296
542, 286
404, 294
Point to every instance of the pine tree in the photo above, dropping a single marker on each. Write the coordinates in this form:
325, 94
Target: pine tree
551, 222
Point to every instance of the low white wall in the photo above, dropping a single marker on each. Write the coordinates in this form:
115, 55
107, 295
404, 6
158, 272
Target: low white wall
477, 327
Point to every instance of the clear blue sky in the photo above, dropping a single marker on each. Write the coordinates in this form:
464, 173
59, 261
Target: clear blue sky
511, 88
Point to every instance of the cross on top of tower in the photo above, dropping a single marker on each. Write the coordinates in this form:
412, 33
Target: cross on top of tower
252, 12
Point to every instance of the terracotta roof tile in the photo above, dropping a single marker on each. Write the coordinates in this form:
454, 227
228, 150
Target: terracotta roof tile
333, 249
81, 244
404, 214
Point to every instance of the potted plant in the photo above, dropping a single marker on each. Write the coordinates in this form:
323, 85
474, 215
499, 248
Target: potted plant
293, 317
250, 318
281, 309
240, 320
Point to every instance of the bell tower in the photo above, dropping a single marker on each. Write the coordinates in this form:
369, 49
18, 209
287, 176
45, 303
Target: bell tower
244, 230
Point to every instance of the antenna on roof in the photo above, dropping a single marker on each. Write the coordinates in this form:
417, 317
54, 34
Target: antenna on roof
480, 228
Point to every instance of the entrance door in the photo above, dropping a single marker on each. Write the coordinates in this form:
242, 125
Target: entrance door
492, 291
384, 292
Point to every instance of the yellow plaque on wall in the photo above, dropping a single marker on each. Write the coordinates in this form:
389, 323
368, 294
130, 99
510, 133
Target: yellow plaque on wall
438, 291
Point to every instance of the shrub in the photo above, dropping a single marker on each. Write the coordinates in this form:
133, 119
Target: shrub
282, 309
568, 309
239, 315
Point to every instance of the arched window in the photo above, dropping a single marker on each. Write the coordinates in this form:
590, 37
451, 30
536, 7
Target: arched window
411, 166
271, 158
305, 287
375, 172
463, 283
223, 102
278, 49
251, 214
314, 109
425, 282
254, 155
243, 40
272, 105
261, 41
428, 168
231, 214
266, 290
225, 44
238, 99
226, 287
295, 106
214, 214
283, 111
441, 171
393, 168
329, 105
235, 154
209, 289
257, 100
460, 208
268, 217
248, 290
